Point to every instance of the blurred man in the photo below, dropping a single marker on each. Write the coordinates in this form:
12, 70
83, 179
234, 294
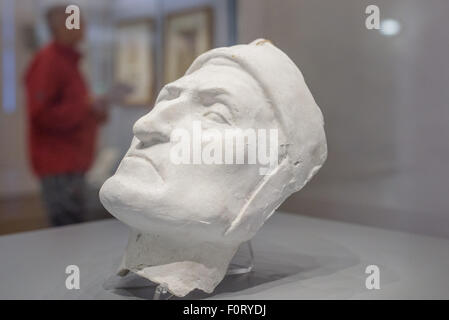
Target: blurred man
63, 121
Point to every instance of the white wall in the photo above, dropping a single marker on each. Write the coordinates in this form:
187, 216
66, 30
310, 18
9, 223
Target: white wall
385, 103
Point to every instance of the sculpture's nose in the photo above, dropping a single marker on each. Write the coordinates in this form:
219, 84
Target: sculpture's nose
149, 131
156, 126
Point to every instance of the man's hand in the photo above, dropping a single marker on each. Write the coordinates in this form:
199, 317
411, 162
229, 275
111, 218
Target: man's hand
116, 95
100, 109
118, 92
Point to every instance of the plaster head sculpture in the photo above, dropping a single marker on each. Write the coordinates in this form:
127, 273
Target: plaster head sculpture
188, 220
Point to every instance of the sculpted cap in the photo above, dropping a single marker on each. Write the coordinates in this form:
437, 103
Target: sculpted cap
283, 84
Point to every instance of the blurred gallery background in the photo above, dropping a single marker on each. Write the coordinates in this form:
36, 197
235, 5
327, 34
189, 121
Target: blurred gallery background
384, 94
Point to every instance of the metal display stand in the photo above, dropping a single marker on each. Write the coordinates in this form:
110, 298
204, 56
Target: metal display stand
161, 291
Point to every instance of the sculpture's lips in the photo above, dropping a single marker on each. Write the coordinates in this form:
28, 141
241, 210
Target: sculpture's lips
147, 159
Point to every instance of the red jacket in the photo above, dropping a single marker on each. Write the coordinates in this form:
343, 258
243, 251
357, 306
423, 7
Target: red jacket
62, 126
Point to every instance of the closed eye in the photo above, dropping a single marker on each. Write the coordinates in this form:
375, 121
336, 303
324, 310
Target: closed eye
217, 117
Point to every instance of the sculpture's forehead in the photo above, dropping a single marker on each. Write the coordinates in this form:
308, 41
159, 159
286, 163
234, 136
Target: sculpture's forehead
241, 91
233, 79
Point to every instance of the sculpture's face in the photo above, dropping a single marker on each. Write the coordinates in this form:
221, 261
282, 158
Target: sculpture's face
148, 186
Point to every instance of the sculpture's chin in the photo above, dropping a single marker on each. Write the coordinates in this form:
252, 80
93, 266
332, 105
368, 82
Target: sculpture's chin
150, 213
123, 201
118, 201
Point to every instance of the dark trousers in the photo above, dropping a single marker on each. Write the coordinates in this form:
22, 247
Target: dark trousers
64, 197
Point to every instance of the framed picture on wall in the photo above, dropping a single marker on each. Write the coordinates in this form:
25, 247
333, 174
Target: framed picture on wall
134, 60
187, 34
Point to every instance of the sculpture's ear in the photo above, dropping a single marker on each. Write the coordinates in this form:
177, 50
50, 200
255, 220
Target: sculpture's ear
265, 199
